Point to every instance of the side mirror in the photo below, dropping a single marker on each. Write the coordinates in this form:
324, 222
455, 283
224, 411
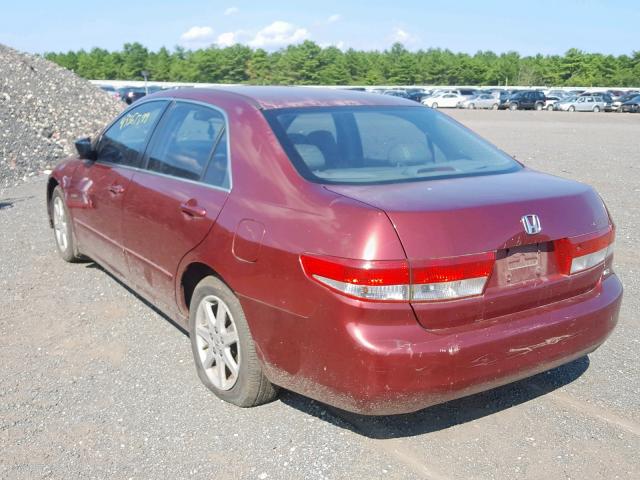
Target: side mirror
85, 148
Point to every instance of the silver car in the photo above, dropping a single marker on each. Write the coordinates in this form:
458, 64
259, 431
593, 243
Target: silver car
582, 104
483, 100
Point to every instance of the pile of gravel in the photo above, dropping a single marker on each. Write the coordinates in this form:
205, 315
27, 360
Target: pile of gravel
43, 109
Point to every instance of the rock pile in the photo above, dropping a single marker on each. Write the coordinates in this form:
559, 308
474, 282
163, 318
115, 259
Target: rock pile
43, 109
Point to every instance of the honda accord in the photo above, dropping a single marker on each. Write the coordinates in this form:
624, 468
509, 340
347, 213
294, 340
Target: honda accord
359, 249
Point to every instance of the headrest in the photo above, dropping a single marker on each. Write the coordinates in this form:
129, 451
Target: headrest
311, 155
410, 154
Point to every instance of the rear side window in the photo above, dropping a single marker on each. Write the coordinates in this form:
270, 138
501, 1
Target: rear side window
382, 145
124, 141
185, 140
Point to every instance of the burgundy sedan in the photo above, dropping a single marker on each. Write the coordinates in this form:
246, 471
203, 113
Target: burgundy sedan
359, 249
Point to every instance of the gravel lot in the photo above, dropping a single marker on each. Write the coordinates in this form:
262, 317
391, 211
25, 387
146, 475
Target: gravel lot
94, 383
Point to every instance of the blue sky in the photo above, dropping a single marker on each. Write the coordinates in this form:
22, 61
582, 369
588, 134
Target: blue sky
545, 26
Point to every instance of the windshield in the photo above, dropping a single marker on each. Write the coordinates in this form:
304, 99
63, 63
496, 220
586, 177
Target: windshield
365, 145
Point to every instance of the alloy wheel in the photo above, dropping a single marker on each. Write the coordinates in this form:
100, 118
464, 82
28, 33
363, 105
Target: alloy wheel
60, 224
218, 342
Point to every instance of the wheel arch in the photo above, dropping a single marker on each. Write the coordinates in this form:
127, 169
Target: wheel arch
192, 274
51, 186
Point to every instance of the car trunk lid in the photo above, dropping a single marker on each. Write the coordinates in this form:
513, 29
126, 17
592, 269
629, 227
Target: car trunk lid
463, 216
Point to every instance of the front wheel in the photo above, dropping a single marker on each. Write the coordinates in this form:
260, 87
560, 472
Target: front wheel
62, 227
513, 107
538, 107
596, 109
223, 349
572, 108
494, 106
434, 105
549, 108
472, 106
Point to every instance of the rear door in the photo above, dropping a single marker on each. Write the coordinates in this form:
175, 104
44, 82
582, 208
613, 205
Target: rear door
175, 200
102, 185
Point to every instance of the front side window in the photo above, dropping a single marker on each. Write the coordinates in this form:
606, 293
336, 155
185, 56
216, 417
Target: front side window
364, 145
124, 141
184, 142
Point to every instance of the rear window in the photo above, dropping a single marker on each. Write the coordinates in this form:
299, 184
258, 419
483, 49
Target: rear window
366, 145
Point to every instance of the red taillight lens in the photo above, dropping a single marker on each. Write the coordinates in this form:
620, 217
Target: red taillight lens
396, 280
586, 251
452, 268
361, 272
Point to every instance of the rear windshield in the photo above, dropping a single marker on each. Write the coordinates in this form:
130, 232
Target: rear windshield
366, 145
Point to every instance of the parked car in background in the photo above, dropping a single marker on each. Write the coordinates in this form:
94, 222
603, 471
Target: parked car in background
485, 100
632, 105
222, 207
418, 96
110, 90
624, 98
615, 94
444, 100
396, 93
131, 94
525, 100
550, 102
586, 103
557, 94
602, 96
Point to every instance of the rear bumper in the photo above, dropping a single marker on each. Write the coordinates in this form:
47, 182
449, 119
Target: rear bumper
403, 368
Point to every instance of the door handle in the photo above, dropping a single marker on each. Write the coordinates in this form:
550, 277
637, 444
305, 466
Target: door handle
116, 189
192, 209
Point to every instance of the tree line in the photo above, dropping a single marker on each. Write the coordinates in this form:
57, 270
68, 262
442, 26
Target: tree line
310, 64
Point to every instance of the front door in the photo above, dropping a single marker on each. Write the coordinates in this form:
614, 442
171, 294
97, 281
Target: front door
101, 186
173, 203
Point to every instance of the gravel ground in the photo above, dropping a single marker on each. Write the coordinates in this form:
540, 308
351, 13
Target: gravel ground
43, 109
94, 383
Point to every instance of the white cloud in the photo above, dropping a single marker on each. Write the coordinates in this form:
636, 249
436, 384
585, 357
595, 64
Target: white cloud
227, 39
197, 36
336, 17
279, 34
231, 11
400, 35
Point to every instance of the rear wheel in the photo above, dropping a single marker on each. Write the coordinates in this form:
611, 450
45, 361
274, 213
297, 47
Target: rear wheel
572, 108
538, 107
434, 105
549, 108
596, 109
513, 107
62, 227
472, 106
494, 106
223, 349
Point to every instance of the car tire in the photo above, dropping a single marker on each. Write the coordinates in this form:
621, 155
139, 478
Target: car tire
571, 109
434, 105
63, 228
221, 342
513, 107
549, 108
495, 106
472, 106
538, 107
596, 109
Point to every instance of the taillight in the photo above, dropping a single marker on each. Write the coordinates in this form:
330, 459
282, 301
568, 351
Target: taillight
449, 278
587, 251
399, 281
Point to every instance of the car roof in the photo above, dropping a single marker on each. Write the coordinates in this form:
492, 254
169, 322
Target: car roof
264, 97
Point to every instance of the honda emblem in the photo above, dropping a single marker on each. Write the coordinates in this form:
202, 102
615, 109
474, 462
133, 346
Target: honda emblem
531, 224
